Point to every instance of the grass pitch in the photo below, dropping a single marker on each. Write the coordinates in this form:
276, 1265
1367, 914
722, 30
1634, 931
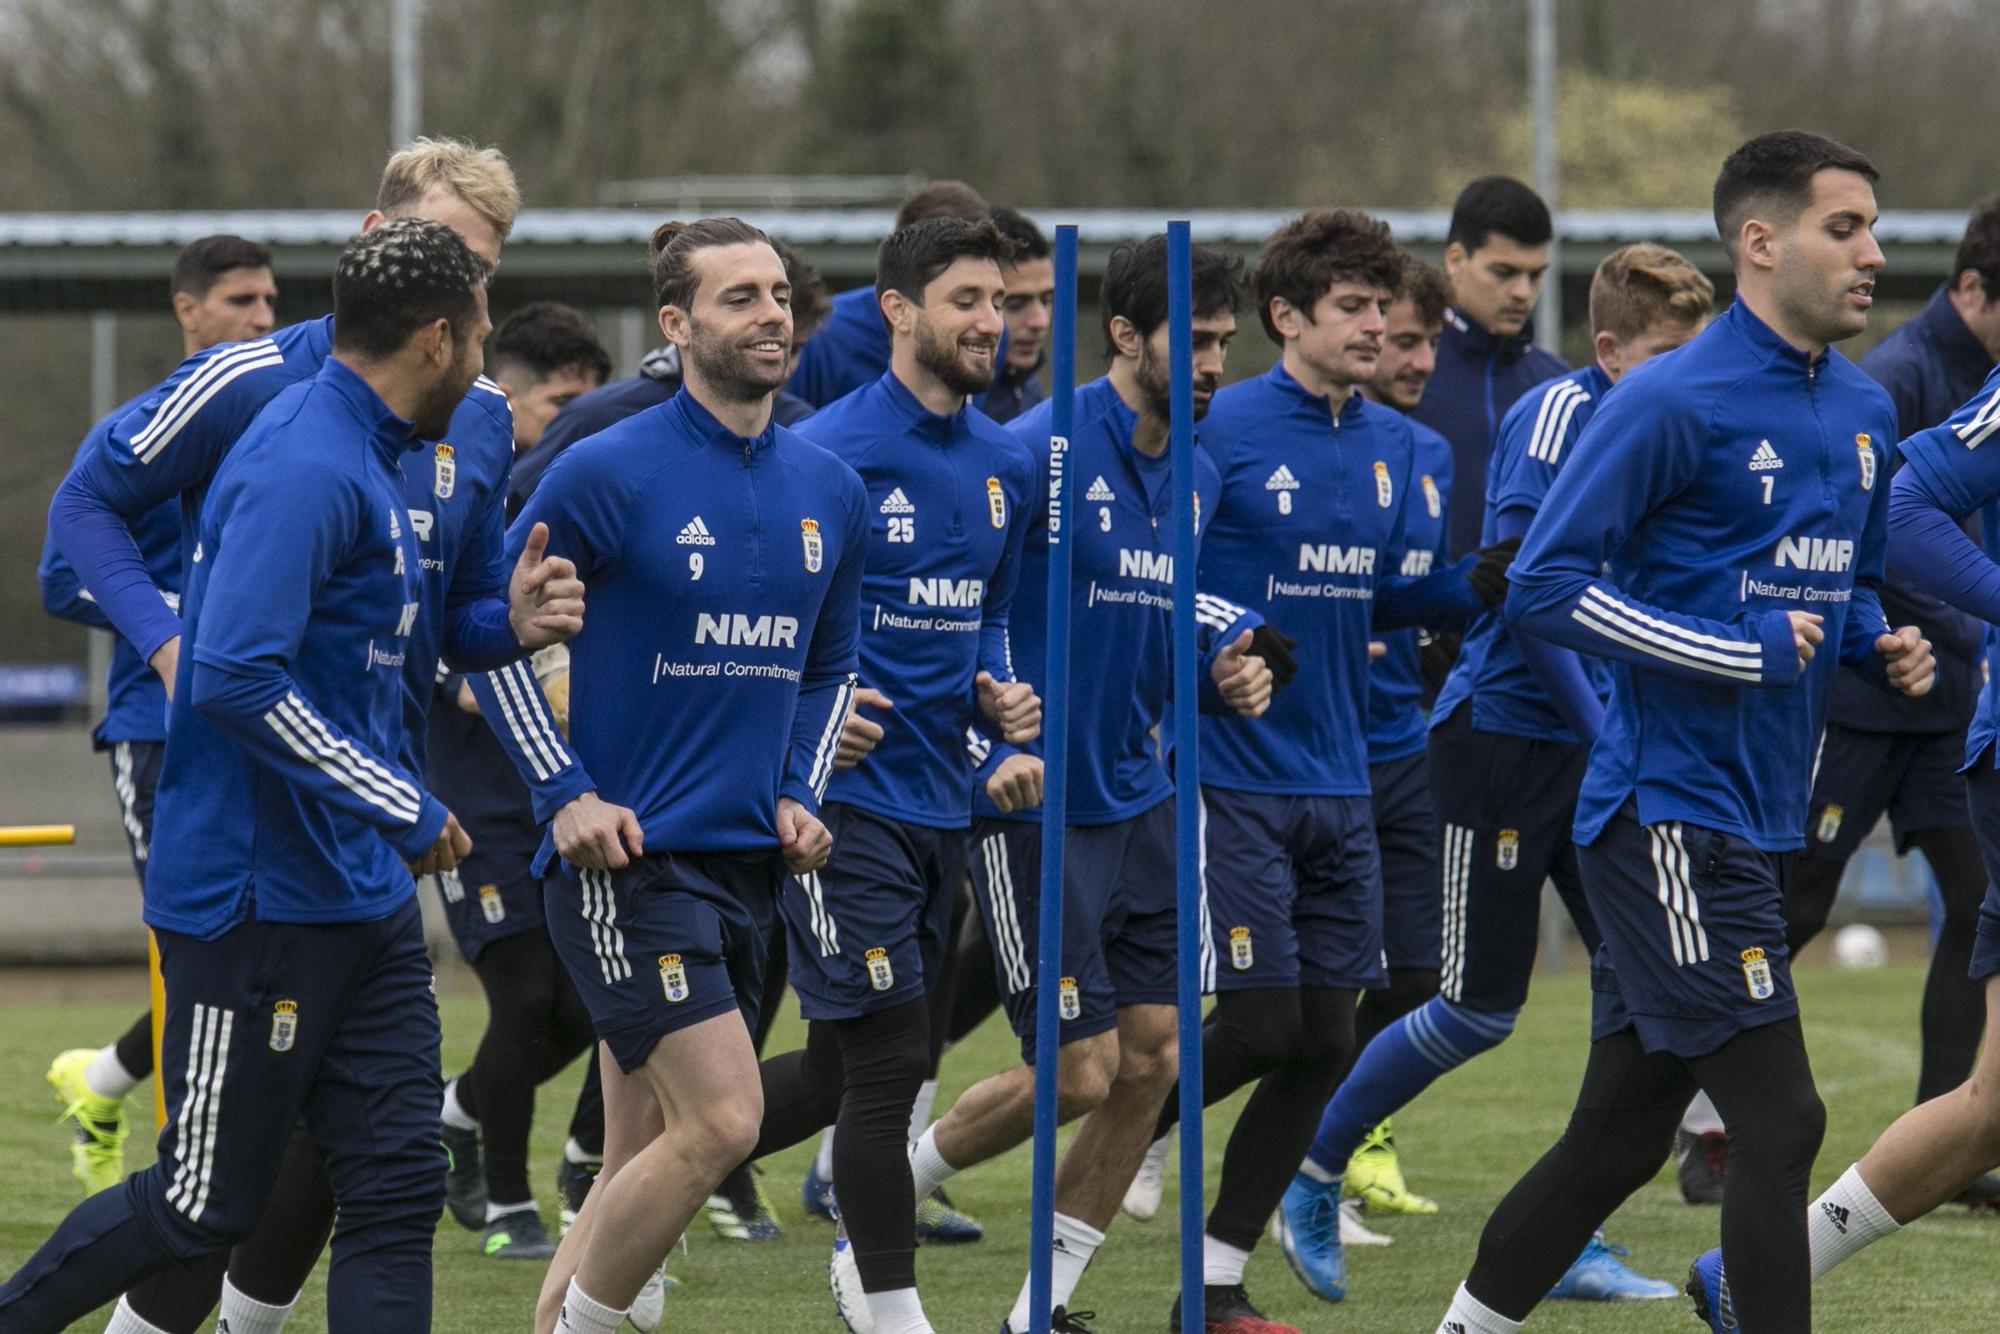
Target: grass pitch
1464, 1143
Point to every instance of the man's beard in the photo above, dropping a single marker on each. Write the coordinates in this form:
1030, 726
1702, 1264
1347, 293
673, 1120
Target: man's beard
941, 358
728, 369
1155, 388
432, 420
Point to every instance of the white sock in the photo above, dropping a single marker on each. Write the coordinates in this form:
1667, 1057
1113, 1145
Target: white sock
1468, 1316
920, 1111
574, 1153
928, 1169
125, 1320
1701, 1117
246, 1315
107, 1076
1845, 1219
454, 1114
1221, 1263
898, 1312
823, 1160
495, 1209
583, 1315
1314, 1172
1076, 1242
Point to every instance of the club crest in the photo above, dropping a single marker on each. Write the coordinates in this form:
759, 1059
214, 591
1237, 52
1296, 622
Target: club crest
284, 1025
445, 480
491, 905
1240, 957
673, 978
1866, 449
880, 975
1507, 849
1385, 494
815, 549
996, 502
1432, 501
1068, 1000
1757, 975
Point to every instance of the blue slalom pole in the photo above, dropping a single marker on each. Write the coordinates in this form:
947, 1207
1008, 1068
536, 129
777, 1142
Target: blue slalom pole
1055, 790
1187, 777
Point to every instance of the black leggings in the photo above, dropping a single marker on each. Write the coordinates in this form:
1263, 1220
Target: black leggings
1295, 1042
270, 1267
861, 1076
135, 1046
1954, 1006
535, 1026
1619, 1134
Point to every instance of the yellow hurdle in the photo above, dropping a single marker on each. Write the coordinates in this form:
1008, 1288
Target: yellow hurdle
36, 835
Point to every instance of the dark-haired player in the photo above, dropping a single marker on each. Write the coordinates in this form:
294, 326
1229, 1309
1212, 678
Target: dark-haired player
546, 356
708, 692
223, 292
1116, 987
1496, 255
949, 495
1671, 545
1029, 309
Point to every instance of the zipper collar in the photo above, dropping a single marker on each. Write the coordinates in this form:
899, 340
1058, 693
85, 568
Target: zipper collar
393, 436
700, 423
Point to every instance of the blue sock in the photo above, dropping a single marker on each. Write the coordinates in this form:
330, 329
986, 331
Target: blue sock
95, 1254
1399, 1064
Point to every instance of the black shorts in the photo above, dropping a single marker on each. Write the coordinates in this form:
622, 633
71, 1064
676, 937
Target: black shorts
492, 895
135, 778
1913, 776
672, 940
1406, 836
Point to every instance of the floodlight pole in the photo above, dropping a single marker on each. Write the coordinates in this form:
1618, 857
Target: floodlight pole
1548, 174
406, 80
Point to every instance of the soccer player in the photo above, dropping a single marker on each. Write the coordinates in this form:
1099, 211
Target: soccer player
1931, 1153
1496, 255
296, 976
223, 292
1507, 753
542, 356
1029, 310
724, 555
1711, 582
659, 379
949, 495
1307, 531
1117, 987
1903, 756
852, 348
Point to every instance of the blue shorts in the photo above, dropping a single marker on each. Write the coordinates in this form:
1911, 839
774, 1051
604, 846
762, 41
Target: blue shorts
1291, 892
672, 940
1982, 792
270, 1022
1912, 776
1694, 935
1119, 941
492, 895
135, 778
1406, 836
1505, 804
866, 931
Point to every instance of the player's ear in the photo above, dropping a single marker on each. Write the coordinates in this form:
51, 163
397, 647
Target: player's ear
185, 305
898, 309
1286, 318
674, 325
1125, 336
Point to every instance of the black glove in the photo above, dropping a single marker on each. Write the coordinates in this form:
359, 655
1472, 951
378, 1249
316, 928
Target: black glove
1437, 651
1275, 647
1488, 575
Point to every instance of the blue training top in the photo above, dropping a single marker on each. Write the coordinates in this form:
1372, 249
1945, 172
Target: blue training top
1396, 722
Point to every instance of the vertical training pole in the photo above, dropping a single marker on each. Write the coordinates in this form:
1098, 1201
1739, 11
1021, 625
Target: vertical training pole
1055, 789
1187, 790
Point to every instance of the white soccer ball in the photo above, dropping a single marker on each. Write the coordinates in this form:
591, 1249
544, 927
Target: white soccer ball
1860, 946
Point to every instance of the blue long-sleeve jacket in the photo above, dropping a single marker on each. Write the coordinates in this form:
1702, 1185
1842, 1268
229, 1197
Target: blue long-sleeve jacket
135, 700
1537, 438
718, 656
1121, 610
1479, 375
1307, 531
847, 351
948, 505
282, 785
1950, 471
169, 447
1396, 721
1726, 484
1930, 365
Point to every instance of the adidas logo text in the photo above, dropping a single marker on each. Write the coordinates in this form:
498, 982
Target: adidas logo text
1099, 493
898, 503
1281, 480
696, 534
1836, 1215
1766, 458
